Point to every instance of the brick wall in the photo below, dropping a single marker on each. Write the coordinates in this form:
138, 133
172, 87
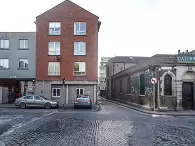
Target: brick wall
67, 13
88, 89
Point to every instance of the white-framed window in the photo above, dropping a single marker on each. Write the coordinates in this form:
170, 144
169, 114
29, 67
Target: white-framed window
79, 68
54, 68
23, 44
54, 28
4, 44
79, 48
23, 63
80, 91
54, 48
79, 28
4, 63
55, 92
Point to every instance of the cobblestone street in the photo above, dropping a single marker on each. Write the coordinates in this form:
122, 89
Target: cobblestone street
112, 126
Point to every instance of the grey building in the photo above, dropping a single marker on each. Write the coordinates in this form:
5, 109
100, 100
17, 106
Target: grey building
174, 90
103, 75
17, 64
119, 63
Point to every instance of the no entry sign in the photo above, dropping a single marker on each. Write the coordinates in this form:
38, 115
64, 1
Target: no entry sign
154, 80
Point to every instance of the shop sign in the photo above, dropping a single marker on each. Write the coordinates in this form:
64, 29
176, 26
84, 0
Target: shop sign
186, 59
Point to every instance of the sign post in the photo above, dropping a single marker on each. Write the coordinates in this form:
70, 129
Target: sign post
154, 97
158, 96
154, 81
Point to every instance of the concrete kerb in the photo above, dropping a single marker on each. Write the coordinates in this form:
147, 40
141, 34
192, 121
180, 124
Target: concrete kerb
7, 106
98, 107
176, 113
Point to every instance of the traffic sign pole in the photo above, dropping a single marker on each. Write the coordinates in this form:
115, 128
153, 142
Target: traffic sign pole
158, 96
154, 81
154, 97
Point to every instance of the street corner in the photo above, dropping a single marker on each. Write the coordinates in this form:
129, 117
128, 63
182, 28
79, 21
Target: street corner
96, 107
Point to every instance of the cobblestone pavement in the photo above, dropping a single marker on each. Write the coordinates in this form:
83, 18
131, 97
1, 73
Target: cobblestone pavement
112, 126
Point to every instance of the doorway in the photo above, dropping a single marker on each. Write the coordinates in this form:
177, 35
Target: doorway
187, 95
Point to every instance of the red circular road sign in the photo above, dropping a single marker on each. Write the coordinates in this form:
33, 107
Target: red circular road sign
154, 80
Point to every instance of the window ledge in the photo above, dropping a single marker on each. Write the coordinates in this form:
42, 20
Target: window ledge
4, 68
23, 68
54, 34
23, 48
55, 97
4, 48
142, 95
120, 93
80, 35
79, 75
53, 55
79, 55
53, 75
129, 94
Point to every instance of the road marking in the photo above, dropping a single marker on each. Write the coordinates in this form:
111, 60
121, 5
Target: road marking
160, 116
5, 119
21, 125
102, 108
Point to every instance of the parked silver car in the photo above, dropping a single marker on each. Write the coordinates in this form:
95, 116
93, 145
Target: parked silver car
35, 101
83, 101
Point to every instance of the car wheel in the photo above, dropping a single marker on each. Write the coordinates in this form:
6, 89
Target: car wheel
47, 105
22, 105
75, 107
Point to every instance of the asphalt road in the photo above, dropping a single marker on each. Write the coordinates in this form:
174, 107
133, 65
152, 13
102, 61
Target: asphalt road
112, 126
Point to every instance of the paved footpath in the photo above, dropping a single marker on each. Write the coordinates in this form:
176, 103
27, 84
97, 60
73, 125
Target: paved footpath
114, 125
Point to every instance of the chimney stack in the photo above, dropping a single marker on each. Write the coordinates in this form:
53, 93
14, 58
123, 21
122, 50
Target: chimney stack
179, 52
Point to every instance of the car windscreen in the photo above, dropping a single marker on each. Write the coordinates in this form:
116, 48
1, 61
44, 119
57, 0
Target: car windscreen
44, 97
84, 97
28, 97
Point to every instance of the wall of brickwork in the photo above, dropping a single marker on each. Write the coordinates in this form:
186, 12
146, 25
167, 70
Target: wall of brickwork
72, 92
67, 13
179, 73
44, 88
132, 94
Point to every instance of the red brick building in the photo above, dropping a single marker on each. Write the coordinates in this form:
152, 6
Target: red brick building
67, 48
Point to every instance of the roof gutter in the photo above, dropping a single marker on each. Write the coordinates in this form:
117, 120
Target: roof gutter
99, 24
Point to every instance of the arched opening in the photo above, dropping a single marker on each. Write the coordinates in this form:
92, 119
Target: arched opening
168, 85
188, 91
128, 85
142, 85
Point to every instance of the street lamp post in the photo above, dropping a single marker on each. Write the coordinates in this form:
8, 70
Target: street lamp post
63, 82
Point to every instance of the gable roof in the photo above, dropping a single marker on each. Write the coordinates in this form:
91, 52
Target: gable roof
126, 59
155, 60
66, 2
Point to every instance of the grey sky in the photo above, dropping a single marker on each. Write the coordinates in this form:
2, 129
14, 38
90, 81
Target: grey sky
129, 27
